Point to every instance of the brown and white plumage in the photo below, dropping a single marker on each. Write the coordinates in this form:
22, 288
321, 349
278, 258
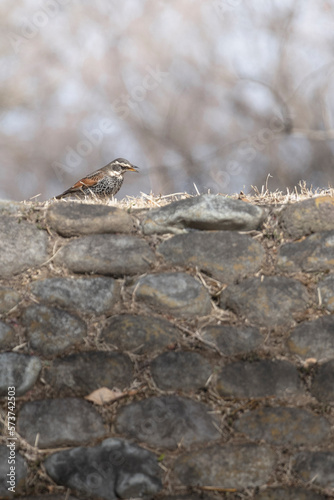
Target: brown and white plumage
105, 181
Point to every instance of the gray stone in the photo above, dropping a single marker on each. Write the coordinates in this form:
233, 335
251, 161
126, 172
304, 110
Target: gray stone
323, 382
141, 334
316, 467
244, 379
6, 335
314, 253
308, 216
226, 466
178, 294
75, 219
18, 370
180, 371
313, 339
205, 212
81, 373
107, 254
59, 422
326, 289
225, 255
114, 469
93, 295
51, 330
49, 497
192, 496
271, 302
8, 299
167, 422
7, 454
23, 247
12, 207
284, 426
233, 340
288, 494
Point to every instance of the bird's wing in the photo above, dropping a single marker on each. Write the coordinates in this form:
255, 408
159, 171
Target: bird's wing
88, 181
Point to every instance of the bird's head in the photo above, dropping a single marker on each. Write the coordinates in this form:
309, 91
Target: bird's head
120, 166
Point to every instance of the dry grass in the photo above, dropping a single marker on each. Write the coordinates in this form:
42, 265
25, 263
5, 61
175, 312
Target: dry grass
299, 193
262, 196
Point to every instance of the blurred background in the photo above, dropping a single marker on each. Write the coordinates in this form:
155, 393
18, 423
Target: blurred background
207, 94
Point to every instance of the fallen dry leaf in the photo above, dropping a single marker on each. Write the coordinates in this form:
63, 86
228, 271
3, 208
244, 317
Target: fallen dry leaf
310, 361
104, 395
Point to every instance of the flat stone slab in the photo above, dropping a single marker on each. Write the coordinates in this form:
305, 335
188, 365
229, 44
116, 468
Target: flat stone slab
180, 371
226, 466
18, 370
8, 299
313, 254
288, 494
23, 247
313, 339
308, 216
75, 219
82, 373
271, 302
317, 466
225, 255
205, 212
114, 469
16, 481
167, 421
51, 330
326, 289
141, 334
323, 382
178, 294
284, 426
59, 422
233, 340
95, 295
259, 379
108, 254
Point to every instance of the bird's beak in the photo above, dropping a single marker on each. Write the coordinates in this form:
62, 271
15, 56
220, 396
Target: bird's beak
133, 168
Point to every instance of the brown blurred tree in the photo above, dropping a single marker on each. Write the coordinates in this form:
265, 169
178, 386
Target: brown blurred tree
214, 93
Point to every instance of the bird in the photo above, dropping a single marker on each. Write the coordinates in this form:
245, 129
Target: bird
105, 181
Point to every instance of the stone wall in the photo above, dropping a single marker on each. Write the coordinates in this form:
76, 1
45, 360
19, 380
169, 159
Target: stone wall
181, 352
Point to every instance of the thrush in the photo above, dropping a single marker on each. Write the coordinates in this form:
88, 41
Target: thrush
105, 181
